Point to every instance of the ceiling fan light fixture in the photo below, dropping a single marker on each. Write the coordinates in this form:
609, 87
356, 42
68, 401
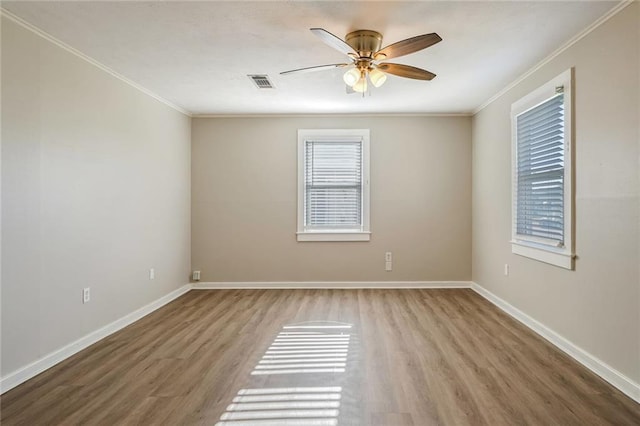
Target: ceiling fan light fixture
377, 77
361, 84
363, 48
351, 77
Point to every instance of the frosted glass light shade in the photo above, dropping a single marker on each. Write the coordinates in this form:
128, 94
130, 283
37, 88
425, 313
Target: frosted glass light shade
361, 85
377, 77
351, 77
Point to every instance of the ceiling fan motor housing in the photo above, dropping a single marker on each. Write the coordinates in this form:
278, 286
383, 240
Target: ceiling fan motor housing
365, 42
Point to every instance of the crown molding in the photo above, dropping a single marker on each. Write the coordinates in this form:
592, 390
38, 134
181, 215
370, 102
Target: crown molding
30, 27
615, 10
334, 115
604, 18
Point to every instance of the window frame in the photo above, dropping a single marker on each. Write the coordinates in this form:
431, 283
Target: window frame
334, 135
530, 246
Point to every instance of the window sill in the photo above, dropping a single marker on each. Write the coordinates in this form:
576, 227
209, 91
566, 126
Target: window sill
550, 255
334, 236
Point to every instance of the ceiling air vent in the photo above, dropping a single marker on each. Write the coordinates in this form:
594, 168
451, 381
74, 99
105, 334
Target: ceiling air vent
261, 81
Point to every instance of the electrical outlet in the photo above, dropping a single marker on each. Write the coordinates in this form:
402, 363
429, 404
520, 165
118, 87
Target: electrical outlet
86, 295
152, 274
196, 275
388, 257
506, 269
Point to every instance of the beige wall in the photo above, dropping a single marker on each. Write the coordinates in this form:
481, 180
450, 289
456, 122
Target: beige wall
244, 180
95, 190
597, 306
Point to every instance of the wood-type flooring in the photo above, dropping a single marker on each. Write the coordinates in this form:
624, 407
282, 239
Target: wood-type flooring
320, 358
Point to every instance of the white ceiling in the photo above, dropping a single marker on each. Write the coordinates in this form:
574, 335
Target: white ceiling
197, 54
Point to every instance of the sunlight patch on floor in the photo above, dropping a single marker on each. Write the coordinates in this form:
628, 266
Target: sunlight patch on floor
317, 348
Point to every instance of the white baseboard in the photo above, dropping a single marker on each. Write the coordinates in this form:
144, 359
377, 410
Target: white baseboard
31, 370
611, 375
329, 284
608, 373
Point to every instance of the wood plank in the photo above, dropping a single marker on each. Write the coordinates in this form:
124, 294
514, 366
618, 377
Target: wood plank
414, 357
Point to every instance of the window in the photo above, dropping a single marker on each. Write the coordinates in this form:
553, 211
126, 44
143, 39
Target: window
542, 212
333, 185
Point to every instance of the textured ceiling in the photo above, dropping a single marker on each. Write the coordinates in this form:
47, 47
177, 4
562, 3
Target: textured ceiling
197, 54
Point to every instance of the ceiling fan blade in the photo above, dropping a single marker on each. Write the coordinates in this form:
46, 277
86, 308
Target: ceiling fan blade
317, 68
406, 71
349, 89
335, 42
407, 46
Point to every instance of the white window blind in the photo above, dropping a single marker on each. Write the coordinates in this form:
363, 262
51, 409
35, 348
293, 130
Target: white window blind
542, 185
333, 185
540, 172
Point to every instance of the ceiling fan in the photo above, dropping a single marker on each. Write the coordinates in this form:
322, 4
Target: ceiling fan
363, 47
